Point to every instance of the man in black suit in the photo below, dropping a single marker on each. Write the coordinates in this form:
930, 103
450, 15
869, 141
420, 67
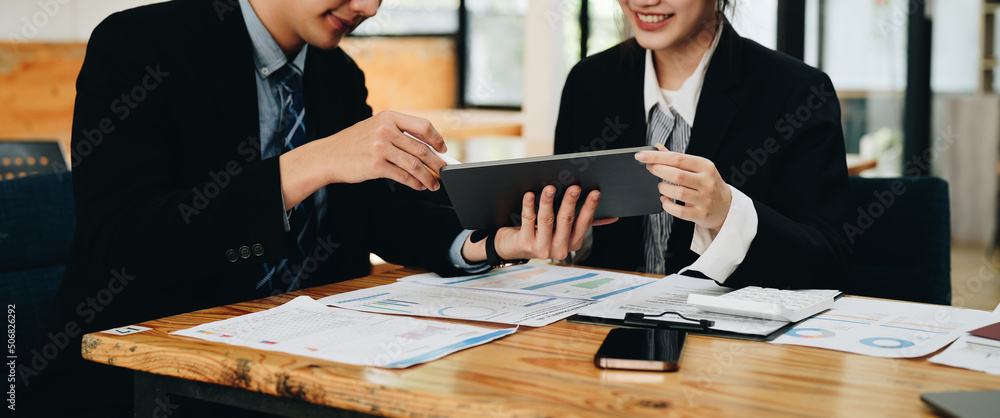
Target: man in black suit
193, 158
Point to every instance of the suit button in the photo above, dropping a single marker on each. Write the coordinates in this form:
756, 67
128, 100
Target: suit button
245, 251
258, 250
231, 256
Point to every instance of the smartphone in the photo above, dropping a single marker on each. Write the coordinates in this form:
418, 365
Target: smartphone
641, 349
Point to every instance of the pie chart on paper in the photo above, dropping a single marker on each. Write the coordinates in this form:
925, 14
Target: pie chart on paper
886, 342
810, 333
466, 312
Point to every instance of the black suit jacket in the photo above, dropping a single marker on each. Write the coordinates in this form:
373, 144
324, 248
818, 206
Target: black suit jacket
771, 125
169, 178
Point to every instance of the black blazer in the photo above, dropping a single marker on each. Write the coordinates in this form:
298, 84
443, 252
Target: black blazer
772, 126
169, 178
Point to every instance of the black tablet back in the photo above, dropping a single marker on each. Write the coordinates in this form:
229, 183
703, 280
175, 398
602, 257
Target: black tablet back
488, 195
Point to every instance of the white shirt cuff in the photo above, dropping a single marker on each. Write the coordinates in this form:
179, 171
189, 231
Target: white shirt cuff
459, 261
721, 253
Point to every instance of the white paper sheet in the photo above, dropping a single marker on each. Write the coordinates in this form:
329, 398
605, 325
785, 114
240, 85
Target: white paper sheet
979, 358
961, 355
414, 298
670, 294
567, 282
308, 328
884, 328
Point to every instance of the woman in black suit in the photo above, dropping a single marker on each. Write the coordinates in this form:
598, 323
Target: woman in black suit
755, 192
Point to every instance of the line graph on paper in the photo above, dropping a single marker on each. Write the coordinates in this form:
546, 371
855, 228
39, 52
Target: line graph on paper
568, 282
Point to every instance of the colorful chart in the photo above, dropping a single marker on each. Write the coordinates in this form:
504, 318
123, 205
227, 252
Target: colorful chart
594, 284
886, 342
467, 312
810, 333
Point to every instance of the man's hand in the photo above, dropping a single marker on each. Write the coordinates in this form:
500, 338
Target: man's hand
695, 181
545, 234
373, 148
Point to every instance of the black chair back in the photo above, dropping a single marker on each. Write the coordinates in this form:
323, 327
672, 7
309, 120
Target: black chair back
900, 232
36, 230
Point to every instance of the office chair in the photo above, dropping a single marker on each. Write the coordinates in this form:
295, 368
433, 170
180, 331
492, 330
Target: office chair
24, 158
899, 230
36, 228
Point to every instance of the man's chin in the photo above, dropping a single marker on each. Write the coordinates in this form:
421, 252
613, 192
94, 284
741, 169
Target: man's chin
326, 42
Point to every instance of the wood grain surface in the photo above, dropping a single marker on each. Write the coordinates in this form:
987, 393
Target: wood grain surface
546, 371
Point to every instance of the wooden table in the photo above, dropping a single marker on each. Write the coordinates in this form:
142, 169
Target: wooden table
545, 371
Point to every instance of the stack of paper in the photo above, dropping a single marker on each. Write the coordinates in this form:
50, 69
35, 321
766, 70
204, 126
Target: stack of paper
529, 295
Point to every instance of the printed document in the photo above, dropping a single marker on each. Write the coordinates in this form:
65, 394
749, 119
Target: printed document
884, 328
983, 358
545, 279
306, 327
415, 298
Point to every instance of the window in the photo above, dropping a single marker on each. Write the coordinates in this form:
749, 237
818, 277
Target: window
495, 41
412, 17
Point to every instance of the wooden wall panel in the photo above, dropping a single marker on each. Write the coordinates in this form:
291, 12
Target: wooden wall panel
407, 73
37, 80
37, 89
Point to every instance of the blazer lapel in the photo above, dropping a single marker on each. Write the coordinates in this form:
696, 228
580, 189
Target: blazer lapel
324, 103
223, 55
716, 109
635, 117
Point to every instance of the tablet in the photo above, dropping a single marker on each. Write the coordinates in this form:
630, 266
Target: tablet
964, 404
488, 195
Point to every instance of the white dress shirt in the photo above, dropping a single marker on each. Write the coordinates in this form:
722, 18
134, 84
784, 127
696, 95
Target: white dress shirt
722, 252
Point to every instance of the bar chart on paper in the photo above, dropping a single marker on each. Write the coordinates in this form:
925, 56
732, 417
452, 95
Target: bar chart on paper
421, 299
567, 282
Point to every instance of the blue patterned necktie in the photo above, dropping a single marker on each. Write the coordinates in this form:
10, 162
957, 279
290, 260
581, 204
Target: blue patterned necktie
302, 220
674, 133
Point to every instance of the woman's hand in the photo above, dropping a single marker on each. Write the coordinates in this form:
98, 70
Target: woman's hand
694, 181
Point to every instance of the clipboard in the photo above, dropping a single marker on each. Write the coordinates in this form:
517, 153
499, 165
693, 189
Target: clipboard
700, 327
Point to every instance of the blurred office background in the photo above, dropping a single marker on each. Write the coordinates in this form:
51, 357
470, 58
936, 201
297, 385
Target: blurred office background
911, 75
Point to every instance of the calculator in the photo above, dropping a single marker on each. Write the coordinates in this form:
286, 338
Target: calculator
765, 303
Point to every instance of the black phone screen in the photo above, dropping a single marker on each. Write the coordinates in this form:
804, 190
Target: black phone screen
641, 349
